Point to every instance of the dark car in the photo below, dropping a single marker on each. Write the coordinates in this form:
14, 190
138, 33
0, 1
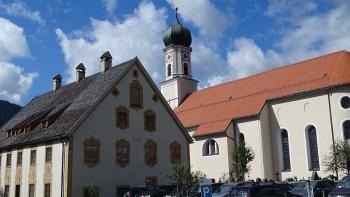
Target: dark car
317, 188
252, 190
264, 190
342, 189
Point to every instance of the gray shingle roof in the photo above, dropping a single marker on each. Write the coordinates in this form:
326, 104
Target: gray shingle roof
74, 98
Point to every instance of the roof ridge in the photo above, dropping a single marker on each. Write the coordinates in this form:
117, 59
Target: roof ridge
256, 93
275, 69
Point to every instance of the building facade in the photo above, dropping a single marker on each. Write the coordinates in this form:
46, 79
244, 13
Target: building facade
290, 116
100, 134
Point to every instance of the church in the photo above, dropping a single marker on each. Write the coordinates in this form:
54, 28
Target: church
98, 135
290, 116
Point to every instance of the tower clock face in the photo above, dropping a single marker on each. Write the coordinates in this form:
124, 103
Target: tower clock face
169, 57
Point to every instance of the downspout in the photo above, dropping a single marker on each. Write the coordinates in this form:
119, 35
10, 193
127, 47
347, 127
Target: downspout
332, 129
62, 167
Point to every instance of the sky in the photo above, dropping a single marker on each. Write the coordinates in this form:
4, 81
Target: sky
231, 39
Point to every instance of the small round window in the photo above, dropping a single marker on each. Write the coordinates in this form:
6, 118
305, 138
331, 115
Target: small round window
345, 102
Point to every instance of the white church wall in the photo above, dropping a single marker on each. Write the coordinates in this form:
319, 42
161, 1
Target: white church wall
294, 116
251, 130
214, 166
170, 91
339, 114
100, 124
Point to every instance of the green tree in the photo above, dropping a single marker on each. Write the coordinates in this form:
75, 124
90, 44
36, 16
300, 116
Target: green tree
183, 177
241, 157
338, 158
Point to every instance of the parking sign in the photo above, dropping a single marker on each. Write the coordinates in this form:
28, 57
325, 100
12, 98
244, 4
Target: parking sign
206, 191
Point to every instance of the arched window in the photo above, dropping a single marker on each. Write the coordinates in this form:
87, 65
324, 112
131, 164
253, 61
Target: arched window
241, 138
314, 163
285, 150
169, 70
185, 69
210, 147
346, 129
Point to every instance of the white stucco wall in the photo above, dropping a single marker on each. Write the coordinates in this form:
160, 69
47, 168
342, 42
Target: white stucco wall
213, 166
40, 163
100, 124
294, 116
253, 138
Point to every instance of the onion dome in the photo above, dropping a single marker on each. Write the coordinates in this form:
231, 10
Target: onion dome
177, 34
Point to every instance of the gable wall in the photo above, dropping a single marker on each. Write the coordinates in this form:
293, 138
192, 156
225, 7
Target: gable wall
100, 124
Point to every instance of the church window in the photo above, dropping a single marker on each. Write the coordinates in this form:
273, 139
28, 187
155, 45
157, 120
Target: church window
185, 69
122, 152
169, 70
175, 152
150, 153
122, 117
136, 95
91, 152
346, 129
149, 120
314, 163
345, 102
285, 150
7, 191
47, 190
48, 155
241, 138
31, 190
210, 147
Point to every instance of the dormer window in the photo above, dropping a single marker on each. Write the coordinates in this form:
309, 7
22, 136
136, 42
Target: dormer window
44, 124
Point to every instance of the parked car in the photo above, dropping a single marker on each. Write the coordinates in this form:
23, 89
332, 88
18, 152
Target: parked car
342, 189
318, 188
252, 190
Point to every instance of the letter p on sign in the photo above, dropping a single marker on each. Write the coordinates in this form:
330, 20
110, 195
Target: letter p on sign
206, 191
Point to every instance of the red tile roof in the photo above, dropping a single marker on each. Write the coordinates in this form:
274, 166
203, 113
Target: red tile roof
213, 108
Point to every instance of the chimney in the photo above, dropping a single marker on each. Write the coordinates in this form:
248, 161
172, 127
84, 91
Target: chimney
106, 61
57, 80
80, 72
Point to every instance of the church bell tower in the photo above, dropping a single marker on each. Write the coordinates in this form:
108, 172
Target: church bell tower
178, 83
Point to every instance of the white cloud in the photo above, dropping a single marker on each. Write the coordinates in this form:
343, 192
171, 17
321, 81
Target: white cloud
12, 41
312, 36
139, 34
14, 83
21, 10
204, 15
110, 5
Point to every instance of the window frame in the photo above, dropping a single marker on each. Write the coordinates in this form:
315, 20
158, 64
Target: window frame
122, 143
309, 149
206, 148
340, 102
175, 152
118, 112
8, 160
46, 154
50, 190
92, 142
286, 167
19, 155
29, 190
151, 160
152, 114
343, 129
133, 102
32, 159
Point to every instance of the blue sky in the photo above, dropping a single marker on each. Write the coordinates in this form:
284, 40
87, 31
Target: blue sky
231, 39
